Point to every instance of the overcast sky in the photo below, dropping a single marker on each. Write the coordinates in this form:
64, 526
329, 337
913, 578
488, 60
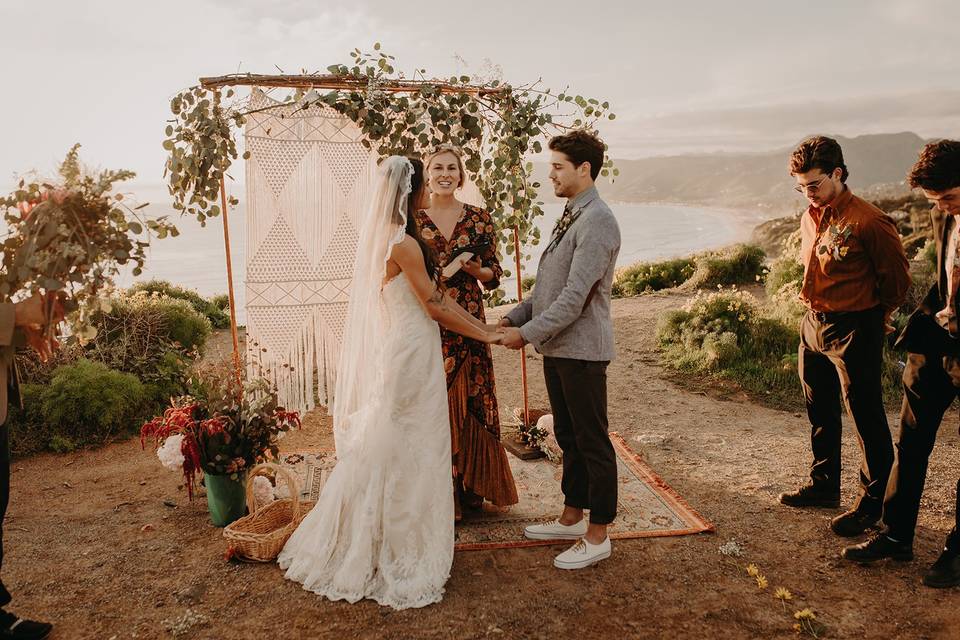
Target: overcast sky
682, 75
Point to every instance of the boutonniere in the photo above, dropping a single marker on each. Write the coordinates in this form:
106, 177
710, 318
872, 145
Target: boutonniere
834, 243
560, 228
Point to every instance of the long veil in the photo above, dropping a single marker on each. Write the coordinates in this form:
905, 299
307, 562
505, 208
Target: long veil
360, 378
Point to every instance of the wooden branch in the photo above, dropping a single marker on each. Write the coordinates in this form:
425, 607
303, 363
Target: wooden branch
331, 81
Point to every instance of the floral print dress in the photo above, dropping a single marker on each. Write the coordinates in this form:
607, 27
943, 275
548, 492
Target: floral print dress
478, 457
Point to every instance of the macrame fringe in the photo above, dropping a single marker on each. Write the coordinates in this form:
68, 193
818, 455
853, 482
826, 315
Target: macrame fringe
478, 455
314, 350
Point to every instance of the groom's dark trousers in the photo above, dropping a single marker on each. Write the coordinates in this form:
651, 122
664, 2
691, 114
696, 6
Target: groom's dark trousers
578, 399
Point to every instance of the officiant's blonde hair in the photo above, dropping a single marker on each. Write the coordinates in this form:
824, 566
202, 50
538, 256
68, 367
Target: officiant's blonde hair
447, 148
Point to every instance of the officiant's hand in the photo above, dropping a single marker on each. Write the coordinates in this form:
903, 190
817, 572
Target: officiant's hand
472, 267
512, 339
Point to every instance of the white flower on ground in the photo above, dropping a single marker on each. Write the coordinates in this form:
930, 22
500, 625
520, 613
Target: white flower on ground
262, 491
169, 453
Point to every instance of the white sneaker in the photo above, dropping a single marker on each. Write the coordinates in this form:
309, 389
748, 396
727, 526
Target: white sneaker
556, 531
583, 554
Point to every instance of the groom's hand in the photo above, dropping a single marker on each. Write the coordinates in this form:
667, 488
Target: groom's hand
512, 339
504, 322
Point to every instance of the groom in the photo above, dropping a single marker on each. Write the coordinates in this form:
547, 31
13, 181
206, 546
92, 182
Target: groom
567, 319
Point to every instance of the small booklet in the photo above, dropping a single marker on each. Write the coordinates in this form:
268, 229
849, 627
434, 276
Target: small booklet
462, 255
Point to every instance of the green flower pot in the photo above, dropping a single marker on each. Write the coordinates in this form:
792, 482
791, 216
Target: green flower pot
226, 497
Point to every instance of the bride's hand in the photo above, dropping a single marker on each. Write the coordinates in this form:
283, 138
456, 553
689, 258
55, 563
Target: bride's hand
494, 337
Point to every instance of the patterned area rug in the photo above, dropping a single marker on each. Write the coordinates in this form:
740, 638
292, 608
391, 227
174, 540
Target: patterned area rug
647, 507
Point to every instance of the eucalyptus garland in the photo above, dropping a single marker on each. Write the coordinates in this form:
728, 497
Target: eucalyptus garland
495, 124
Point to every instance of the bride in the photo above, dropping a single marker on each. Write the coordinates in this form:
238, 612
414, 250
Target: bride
383, 526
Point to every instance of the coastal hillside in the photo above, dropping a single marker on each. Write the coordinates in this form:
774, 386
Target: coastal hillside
878, 165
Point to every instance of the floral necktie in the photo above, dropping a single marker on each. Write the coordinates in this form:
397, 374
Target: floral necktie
563, 223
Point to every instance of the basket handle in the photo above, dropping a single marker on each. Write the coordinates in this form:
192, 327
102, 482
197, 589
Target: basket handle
260, 470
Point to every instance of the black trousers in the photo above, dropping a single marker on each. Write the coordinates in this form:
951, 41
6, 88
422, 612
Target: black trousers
578, 398
930, 384
841, 355
4, 500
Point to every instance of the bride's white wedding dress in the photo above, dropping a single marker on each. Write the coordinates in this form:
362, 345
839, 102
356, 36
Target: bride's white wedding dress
383, 526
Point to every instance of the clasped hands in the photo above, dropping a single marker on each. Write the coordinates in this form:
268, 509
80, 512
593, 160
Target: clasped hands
506, 335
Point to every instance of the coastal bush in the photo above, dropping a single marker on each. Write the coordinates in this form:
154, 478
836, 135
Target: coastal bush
739, 264
214, 309
85, 403
153, 337
652, 276
88, 403
727, 334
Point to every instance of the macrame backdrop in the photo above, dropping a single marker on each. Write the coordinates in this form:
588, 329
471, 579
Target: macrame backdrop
307, 178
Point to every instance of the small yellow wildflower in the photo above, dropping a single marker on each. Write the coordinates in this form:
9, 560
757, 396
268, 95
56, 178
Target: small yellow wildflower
752, 570
805, 614
783, 594
762, 582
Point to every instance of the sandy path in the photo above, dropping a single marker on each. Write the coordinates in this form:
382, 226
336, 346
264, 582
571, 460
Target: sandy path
76, 553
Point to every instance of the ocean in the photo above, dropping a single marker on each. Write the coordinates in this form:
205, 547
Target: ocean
195, 259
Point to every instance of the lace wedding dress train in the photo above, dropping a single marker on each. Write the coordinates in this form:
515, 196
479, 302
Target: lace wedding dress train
383, 526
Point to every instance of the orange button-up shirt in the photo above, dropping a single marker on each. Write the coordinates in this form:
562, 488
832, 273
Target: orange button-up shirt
853, 258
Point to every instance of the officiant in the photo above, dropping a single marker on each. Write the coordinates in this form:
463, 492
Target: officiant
464, 240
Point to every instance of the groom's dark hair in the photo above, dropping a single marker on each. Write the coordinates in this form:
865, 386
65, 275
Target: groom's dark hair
581, 146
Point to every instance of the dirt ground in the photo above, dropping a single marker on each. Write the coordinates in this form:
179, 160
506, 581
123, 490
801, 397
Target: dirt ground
105, 545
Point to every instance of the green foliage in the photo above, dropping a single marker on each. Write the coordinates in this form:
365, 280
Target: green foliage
155, 338
85, 403
495, 124
726, 334
739, 264
72, 237
211, 308
90, 403
527, 284
652, 276
222, 302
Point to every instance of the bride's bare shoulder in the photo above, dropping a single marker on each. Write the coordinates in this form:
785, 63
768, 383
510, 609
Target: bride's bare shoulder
406, 247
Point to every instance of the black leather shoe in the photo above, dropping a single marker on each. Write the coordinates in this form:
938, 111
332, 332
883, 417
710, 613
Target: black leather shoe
945, 572
877, 548
853, 523
22, 629
810, 496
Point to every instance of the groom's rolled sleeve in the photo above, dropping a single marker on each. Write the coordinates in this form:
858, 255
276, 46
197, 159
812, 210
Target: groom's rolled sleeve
597, 243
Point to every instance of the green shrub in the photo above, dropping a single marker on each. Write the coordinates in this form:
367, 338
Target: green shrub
214, 309
728, 334
652, 276
85, 404
221, 301
28, 431
88, 403
152, 337
739, 264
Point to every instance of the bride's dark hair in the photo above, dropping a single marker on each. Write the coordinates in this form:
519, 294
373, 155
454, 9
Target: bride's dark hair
413, 229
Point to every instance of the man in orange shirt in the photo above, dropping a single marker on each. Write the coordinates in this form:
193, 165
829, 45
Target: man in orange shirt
931, 379
855, 276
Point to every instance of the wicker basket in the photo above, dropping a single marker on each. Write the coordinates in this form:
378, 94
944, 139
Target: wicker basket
260, 535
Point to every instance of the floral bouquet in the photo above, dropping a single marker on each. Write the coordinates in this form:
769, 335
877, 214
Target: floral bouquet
224, 427
67, 240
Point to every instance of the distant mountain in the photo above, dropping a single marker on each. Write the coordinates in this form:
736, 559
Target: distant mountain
878, 165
